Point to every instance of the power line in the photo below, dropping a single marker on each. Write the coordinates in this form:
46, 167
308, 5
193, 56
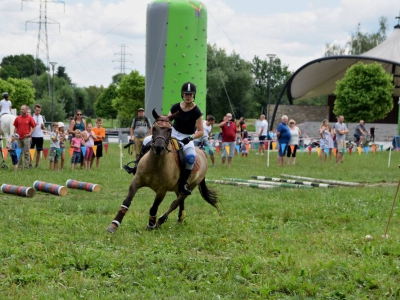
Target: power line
43, 41
122, 60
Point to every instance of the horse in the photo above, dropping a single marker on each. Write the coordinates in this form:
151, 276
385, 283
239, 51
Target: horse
7, 125
159, 171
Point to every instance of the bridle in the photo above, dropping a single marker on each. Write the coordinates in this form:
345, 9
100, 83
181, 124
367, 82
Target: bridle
166, 141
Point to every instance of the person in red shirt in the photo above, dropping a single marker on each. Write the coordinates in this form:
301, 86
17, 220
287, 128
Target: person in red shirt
228, 129
24, 126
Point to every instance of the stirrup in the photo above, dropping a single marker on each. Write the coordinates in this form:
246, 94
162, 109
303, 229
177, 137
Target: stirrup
129, 169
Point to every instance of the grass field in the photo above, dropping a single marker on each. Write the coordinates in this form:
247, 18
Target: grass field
264, 244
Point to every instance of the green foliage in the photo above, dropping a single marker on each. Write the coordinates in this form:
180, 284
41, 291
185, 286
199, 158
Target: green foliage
59, 111
62, 74
264, 244
116, 79
103, 106
7, 87
130, 97
365, 93
93, 93
20, 66
24, 92
316, 101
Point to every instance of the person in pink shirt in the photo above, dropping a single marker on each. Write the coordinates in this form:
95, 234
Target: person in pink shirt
88, 136
76, 144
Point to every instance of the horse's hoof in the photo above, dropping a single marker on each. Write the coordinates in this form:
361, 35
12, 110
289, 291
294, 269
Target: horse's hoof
112, 228
151, 227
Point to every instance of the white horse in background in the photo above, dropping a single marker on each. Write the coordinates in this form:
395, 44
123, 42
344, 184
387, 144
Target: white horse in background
7, 125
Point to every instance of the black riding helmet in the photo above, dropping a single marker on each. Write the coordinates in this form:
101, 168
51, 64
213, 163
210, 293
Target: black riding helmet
188, 88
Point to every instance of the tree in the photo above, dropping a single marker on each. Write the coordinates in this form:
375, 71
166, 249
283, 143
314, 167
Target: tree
20, 66
364, 93
116, 79
60, 73
103, 106
7, 87
93, 93
130, 97
59, 110
359, 42
24, 93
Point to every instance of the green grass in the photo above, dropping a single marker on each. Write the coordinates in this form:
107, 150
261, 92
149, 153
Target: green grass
264, 244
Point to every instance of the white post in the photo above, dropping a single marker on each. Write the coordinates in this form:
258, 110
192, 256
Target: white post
120, 154
390, 155
269, 146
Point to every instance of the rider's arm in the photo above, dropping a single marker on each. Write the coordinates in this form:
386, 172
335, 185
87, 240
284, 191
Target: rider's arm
200, 129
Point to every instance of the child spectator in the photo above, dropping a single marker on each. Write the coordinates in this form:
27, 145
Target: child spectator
12, 150
245, 140
88, 137
63, 137
76, 144
98, 141
54, 147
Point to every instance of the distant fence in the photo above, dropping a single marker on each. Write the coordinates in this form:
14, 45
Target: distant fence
117, 135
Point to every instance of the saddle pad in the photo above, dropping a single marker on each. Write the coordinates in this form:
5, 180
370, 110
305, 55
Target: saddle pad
175, 147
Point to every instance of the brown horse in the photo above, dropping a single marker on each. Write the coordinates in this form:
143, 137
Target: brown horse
159, 171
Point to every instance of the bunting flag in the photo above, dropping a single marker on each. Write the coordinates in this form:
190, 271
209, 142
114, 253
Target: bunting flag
45, 152
302, 149
309, 150
326, 151
32, 153
5, 152
318, 150
238, 148
266, 145
218, 148
283, 148
247, 147
227, 148
373, 149
273, 145
335, 151
71, 152
359, 150
292, 148
381, 148
366, 149
342, 150
256, 145
18, 152
207, 149
95, 150
83, 150
350, 150
106, 147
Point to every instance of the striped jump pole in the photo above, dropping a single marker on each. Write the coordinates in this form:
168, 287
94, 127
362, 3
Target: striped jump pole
51, 188
18, 190
281, 184
252, 185
344, 183
314, 184
80, 185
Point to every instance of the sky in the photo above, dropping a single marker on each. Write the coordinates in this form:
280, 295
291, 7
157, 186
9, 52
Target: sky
89, 36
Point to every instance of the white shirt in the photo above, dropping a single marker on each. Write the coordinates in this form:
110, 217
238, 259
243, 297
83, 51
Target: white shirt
38, 129
294, 140
5, 106
207, 130
264, 125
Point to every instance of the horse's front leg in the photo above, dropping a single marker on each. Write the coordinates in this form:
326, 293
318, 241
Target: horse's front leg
173, 206
153, 210
181, 213
112, 228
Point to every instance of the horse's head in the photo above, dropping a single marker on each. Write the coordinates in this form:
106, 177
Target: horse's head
162, 129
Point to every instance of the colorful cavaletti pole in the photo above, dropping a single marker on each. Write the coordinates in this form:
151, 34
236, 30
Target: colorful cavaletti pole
50, 188
18, 190
87, 186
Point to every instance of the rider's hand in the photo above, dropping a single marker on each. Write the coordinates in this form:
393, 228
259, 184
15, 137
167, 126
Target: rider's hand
186, 140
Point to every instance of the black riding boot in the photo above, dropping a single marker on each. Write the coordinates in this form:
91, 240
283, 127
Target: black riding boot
184, 188
143, 151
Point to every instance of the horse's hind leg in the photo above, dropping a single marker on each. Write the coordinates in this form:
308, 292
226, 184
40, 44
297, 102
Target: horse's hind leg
153, 210
112, 228
181, 213
173, 206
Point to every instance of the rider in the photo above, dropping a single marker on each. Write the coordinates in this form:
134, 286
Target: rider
360, 132
5, 105
184, 130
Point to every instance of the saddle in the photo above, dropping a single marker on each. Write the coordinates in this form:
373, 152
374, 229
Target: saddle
180, 157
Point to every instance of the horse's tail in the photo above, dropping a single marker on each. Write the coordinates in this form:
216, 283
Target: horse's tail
209, 195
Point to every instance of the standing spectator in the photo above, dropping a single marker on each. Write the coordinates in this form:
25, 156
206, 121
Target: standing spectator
54, 147
283, 134
77, 123
228, 129
100, 133
323, 141
24, 126
331, 144
242, 122
63, 137
12, 150
360, 133
204, 140
88, 137
37, 135
340, 131
262, 135
372, 131
76, 144
294, 141
140, 128
245, 140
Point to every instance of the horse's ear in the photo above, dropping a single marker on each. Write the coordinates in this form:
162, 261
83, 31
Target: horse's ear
173, 116
155, 114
